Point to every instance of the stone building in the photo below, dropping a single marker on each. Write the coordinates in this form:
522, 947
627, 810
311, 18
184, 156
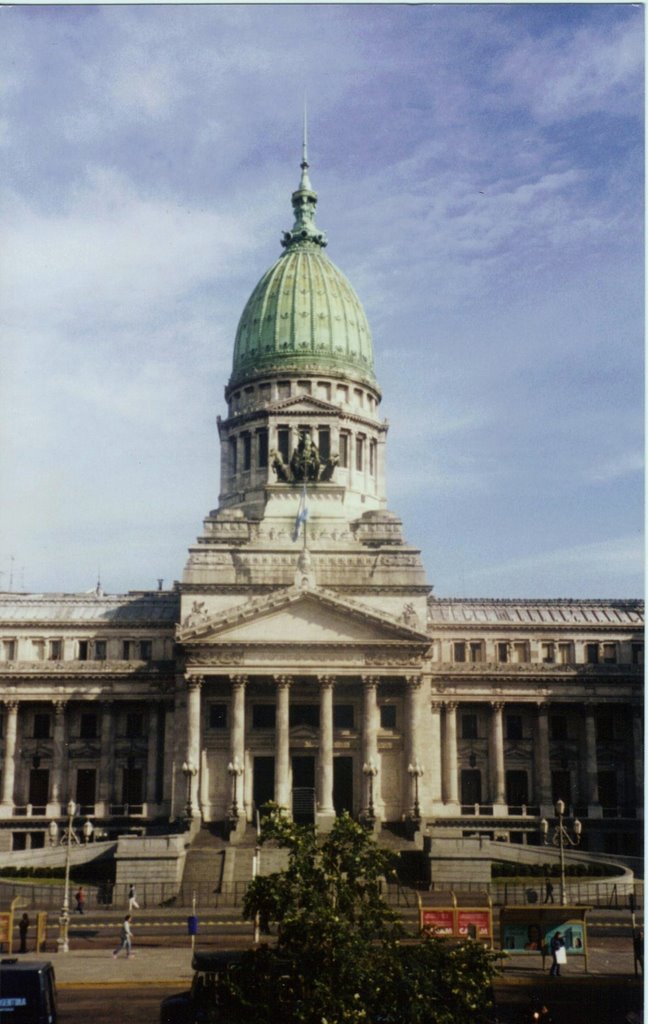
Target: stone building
303, 657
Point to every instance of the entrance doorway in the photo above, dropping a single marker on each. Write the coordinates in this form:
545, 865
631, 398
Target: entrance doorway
85, 790
470, 786
303, 794
263, 781
39, 787
132, 788
343, 785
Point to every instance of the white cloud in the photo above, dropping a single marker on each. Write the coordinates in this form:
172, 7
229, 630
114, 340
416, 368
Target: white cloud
628, 463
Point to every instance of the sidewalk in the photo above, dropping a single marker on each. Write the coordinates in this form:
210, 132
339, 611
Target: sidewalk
159, 966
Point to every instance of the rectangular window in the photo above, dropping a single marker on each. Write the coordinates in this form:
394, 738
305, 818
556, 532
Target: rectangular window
247, 450
592, 654
283, 443
263, 716
262, 447
358, 397
520, 652
88, 726
324, 443
514, 727
502, 652
609, 654
548, 653
637, 654
100, 650
55, 652
304, 714
605, 726
558, 727
388, 716
283, 389
42, 722
134, 724
459, 651
561, 787
38, 647
265, 392
145, 650
565, 654
127, 650
232, 455
344, 449
372, 458
9, 650
469, 727
218, 716
83, 650
324, 390
359, 450
342, 394
304, 387
343, 716
476, 651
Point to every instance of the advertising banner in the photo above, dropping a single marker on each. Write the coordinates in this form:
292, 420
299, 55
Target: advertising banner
479, 919
41, 930
438, 922
6, 930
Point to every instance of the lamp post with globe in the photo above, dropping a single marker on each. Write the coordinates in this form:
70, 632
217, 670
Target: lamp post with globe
561, 837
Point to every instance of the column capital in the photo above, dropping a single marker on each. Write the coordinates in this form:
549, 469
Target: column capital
59, 707
436, 705
542, 706
370, 682
451, 705
194, 682
414, 682
11, 705
326, 682
241, 681
497, 705
283, 682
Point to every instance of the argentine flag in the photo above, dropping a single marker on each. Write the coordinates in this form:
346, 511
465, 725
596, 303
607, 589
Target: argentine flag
302, 513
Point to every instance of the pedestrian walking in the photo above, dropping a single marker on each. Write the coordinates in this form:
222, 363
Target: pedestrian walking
558, 954
23, 925
80, 898
125, 939
549, 891
132, 899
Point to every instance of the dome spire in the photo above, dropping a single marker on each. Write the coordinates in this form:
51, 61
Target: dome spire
304, 201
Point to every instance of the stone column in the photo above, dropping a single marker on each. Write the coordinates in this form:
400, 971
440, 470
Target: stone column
194, 686
436, 771
151, 756
9, 760
594, 809
282, 743
106, 755
58, 799
325, 809
237, 736
638, 760
370, 740
450, 759
543, 793
413, 693
498, 791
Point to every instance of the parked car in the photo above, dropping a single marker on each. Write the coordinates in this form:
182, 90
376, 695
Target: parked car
27, 992
193, 1006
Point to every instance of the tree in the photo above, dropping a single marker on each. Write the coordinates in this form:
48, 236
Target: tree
342, 956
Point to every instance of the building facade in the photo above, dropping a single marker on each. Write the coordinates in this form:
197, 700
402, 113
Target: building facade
303, 657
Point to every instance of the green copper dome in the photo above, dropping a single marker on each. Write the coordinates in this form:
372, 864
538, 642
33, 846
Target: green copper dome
303, 316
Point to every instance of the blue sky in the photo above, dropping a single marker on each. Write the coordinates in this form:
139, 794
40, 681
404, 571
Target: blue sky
480, 175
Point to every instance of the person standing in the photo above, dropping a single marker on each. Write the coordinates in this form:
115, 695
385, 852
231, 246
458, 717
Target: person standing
80, 898
132, 899
125, 939
558, 954
23, 925
549, 896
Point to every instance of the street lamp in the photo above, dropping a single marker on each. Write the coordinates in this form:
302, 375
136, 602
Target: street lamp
235, 770
561, 837
64, 919
189, 771
416, 771
87, 830
53, 831
370, 770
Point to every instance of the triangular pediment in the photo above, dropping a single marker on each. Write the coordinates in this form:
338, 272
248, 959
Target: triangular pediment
299, 616
304, 404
